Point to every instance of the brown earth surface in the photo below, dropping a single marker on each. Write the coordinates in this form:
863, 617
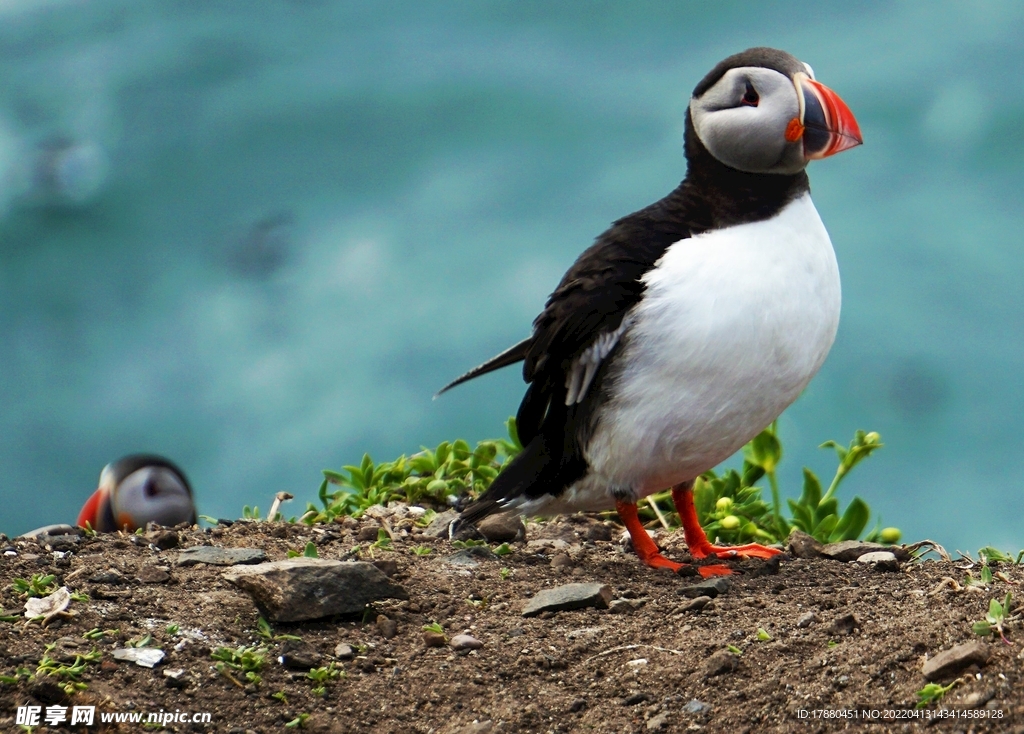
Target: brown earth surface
646, 664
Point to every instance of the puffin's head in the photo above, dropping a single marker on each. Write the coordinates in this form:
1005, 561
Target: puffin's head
761, 111
137, 490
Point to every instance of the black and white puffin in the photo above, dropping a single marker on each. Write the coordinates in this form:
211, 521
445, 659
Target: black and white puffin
690, 325
136, 490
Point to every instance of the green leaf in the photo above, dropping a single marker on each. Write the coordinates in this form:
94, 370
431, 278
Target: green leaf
811, 496
982, 628
310, 551
824, 528
764, 451
801, 516
986, 575
853, 521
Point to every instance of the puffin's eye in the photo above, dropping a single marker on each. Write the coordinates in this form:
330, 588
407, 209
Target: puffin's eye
750, 98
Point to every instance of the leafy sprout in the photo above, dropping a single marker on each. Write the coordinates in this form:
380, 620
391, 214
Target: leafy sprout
933, 693
38, 586
998, 616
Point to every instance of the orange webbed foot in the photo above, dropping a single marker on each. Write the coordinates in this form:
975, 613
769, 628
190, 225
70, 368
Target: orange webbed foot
751, 550
708, 572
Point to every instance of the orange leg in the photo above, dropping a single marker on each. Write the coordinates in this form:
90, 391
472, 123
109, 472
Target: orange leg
648, 551
697, 541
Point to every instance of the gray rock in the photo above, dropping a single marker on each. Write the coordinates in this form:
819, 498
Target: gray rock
657, 723
388, 566
465, 642
978, 698
163, 539
696, 707
806, 620
298, 655
62, 542
434, 639
710, 587
110, 576
470, 557
438, 527
846, 624
505, 527
344, 651
598, 531
368, 534
569, 596
298, 589
176, 678
695, 604
621, 606
154, 574
952, 661
802, 545
41, 533
220, 556
880, 560
720, 663
851, 550
561, 560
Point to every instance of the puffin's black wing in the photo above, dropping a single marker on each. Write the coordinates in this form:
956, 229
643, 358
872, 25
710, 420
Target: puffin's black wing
513, 354
567, 356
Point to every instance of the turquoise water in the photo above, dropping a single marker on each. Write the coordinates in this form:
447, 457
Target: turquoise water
257, 237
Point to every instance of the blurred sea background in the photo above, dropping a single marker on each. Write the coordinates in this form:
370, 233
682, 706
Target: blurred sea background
257, 237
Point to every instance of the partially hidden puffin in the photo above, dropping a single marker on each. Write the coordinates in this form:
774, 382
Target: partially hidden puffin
136, 490
690, 325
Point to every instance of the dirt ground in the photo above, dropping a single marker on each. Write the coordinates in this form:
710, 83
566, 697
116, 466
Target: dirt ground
646, 664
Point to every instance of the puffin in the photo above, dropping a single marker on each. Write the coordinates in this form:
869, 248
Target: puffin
136, 490
689, 325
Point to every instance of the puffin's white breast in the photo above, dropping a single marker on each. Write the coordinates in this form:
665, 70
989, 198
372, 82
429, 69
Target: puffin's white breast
733, 325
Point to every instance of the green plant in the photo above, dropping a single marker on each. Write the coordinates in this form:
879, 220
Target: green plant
251, 513
280, 697
431, 475
264, 630
97, 634
504, 573
322, 676
503, 550
71, 674
143, 641
79, 597
734, 650
172, 629
998, 616
730, 507
434, 627
383, 539
38, 586
988, 554
19, 675
762, 634
299, 722
932, 693
468, 543
247, 660
308, 552
422, 550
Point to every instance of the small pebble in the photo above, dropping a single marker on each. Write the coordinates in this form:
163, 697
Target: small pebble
344, 651
465, 642
807, 619
388, 628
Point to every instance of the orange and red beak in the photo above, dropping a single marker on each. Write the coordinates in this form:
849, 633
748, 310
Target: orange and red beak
826, 124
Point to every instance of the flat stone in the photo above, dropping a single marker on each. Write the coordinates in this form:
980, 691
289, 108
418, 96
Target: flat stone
709, 587
388, 566
64, 542
470, 557
154, 574
880, 560
176, 678
465, 642
147, 657
569, 596
298, 589
344, 651
720, 663
851, 550
951, 662
41, 533
110, 576
802, 545
598, 531
506, 527
621, 606
213, 556
561, 560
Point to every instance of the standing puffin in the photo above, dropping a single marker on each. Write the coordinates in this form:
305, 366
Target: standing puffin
689, 325
137, 490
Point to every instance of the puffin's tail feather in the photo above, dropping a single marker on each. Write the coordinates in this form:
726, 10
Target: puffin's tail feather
524, 476
513, 354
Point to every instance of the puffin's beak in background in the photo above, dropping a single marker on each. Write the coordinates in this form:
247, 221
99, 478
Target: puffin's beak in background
829, 126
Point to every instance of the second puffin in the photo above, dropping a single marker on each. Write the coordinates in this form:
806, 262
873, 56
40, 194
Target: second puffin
691, 324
